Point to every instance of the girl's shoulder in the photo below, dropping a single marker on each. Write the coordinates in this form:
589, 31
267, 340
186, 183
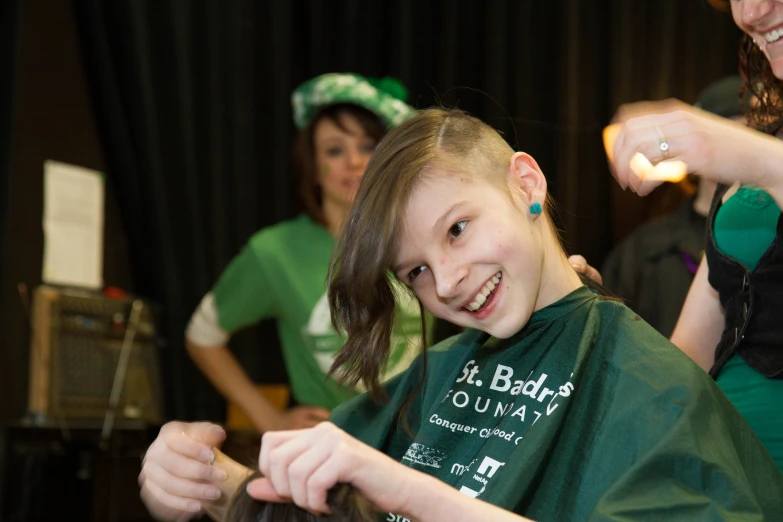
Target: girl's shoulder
619, 322
630, 343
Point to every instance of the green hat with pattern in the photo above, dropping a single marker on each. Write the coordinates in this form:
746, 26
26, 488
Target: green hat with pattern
384, 97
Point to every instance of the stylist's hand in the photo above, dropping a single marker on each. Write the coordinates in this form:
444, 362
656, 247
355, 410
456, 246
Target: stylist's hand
176, 477
710, 146
301, 417
580, 265
303, 465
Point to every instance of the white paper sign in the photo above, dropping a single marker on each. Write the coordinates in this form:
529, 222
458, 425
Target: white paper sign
73, 226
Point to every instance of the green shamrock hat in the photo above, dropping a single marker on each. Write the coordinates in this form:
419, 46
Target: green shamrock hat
384, 97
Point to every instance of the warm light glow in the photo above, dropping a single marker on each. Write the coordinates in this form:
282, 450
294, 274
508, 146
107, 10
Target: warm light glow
671, 170
610, 137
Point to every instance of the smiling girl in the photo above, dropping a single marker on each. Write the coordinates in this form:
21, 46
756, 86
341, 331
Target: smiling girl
555, 404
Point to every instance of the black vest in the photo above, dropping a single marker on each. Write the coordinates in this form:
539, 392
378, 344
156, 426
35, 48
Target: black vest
753, 302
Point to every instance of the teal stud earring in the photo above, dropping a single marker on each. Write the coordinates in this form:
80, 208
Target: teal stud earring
535, 208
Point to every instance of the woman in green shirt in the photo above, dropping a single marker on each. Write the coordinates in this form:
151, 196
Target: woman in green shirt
281, 272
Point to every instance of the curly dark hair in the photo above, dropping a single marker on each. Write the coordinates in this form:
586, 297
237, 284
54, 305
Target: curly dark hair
765, 113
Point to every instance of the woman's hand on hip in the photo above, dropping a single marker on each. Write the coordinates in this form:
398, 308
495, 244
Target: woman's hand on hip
301, 417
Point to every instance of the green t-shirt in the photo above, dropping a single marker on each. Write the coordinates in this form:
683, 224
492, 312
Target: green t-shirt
281, 274
586, 414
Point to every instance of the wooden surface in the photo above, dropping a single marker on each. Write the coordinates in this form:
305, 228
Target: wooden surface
277, 394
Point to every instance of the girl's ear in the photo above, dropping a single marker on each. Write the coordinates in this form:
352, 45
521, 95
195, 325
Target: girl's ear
524, 173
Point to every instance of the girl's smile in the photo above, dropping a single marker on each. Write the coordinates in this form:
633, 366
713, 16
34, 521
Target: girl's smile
482, 304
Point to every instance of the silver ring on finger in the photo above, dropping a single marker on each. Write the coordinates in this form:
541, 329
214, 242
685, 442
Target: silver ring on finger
663, 145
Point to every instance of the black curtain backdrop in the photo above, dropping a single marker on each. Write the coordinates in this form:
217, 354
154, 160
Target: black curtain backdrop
9, 33
9, 39
191, 99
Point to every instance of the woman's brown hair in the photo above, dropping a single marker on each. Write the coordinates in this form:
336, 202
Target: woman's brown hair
347, 504
304, 161
766, 111
361, 293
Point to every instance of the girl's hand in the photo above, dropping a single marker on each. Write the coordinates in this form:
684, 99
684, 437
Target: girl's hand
176, 478
713, 147
303, 465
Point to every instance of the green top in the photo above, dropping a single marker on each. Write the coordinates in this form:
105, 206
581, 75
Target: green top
585, 414
281, 274
745, 226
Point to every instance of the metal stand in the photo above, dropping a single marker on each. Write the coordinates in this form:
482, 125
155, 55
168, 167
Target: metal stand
122, 369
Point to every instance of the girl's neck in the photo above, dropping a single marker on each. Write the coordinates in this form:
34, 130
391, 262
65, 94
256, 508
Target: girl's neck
558, 277
335, 215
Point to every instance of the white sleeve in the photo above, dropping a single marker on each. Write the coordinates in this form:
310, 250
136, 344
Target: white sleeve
203, 328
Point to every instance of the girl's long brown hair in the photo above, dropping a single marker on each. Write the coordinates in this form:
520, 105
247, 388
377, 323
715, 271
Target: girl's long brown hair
361, 293
766, 111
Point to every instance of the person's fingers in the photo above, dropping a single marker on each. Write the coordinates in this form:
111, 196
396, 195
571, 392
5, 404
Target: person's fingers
300, 470
642, 132
179, 487
185, 446
629, 111
194, 440
617, 166
319, 483
151, 493
594, 275
640, 167
668, 166
207, 433
262, 489
644, 144
270, 441
186, 467
580, 265
282, 456
578, 262
629, 143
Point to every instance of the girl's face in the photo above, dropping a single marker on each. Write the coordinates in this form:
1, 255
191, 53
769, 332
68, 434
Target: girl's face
341, 156
472, 253
762, 20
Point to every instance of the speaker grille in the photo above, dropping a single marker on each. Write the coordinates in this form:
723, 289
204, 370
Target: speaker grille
77, 341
